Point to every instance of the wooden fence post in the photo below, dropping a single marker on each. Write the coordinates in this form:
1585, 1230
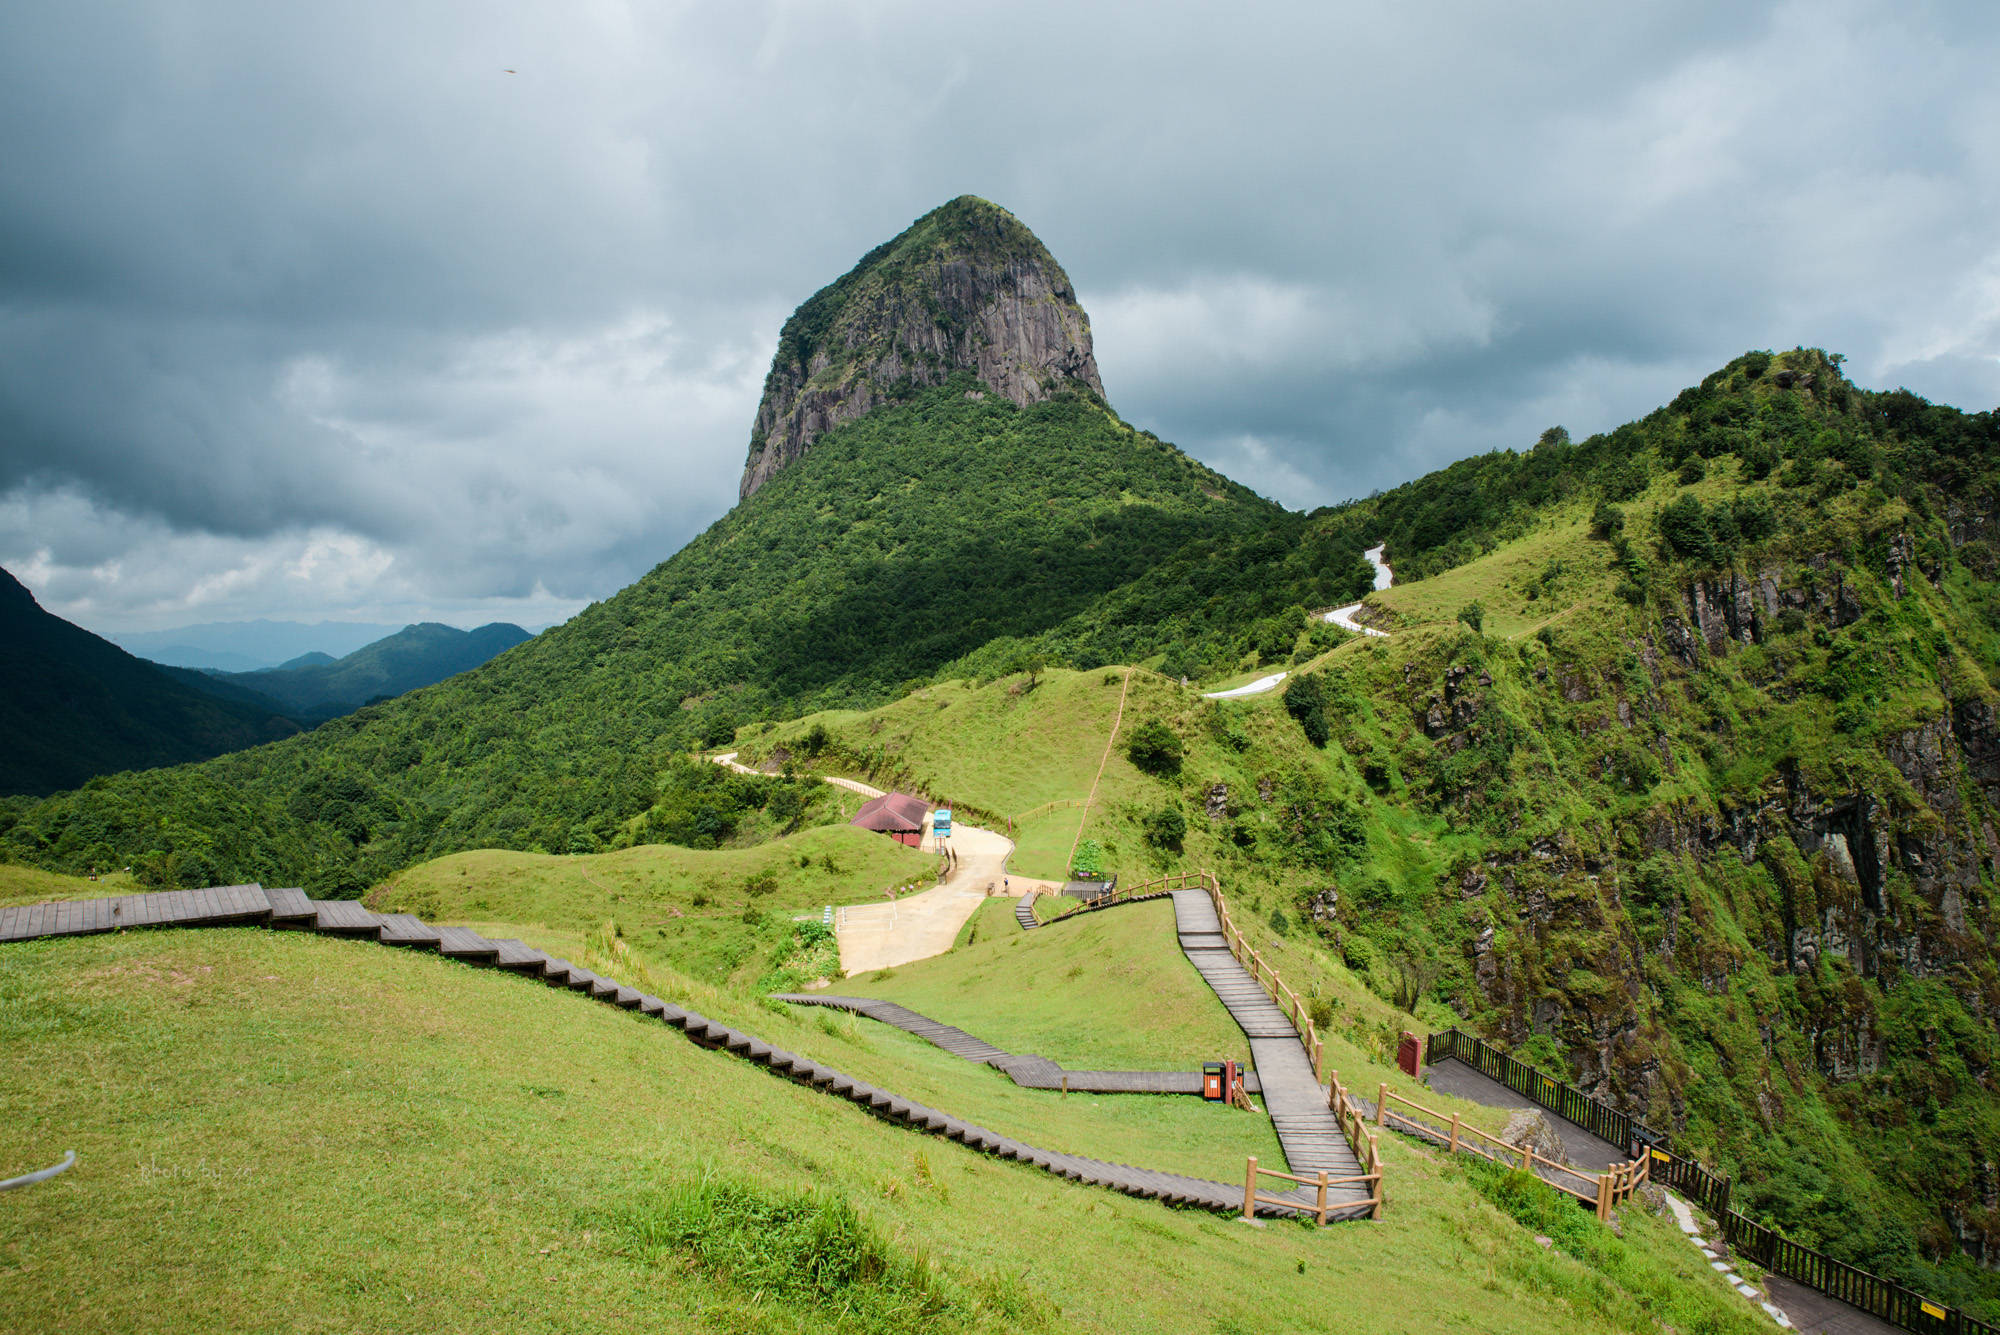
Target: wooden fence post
1320, 1214
1381, 1101
1603, 1196
1250, 1188
1454, 1133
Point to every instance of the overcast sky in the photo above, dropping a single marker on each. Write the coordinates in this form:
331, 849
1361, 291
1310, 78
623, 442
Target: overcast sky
460, 311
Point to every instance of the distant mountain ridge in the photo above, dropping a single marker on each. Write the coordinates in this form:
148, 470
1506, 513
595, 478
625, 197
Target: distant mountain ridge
315, 686
246, 646
73, 706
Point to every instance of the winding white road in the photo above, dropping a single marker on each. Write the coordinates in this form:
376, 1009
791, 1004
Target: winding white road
1343, 617
1257, 687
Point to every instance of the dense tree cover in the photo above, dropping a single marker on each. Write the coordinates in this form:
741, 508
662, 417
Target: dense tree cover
1792, 409
904, 541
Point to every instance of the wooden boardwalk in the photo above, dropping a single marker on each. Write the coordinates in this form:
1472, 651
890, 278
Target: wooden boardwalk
1027, 1069
1293, 1095
1024, 913
246, 905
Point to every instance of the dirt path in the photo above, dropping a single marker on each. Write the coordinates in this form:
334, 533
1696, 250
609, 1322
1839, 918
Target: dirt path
1117, 720
883, 934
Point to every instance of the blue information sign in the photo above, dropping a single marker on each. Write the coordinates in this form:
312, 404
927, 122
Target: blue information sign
941, 822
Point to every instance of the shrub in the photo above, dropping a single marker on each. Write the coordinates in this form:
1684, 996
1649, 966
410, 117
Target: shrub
1758, 461
1166, 828
1754, 518
1273, 637
1693, 470
1305, 701
1684, 528
1154, 748
1625, 480
1089, 862
1473, 614
1607, 519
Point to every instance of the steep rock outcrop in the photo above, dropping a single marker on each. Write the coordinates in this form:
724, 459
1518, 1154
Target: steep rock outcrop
967, 289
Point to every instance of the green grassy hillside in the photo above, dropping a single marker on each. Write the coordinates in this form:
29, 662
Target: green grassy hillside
1679, 771
723, 916
269, 1120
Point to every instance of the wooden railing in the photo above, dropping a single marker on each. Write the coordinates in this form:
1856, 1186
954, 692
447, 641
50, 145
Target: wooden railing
1601, 1191
1566, 1101
1883, 1298
1057, 805
1252, 1198
1352, 1122
1354, 1125
1260, 969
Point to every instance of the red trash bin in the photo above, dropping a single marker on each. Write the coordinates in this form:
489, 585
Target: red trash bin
1410, 1054
1212, 1088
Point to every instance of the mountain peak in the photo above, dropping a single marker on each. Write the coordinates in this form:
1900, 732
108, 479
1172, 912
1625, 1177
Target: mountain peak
966, 288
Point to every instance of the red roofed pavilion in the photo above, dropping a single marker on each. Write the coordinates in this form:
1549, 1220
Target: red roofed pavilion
897, 815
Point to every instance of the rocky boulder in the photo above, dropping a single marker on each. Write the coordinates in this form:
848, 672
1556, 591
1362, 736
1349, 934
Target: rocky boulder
1531, 1129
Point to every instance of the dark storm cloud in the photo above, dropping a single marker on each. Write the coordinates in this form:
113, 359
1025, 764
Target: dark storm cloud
318, 310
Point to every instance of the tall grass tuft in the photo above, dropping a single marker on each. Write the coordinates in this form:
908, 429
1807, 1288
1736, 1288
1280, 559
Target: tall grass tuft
809, 1251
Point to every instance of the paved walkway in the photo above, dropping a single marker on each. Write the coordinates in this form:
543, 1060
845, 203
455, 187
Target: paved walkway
252, 905
1293, 1095
884, 934
1342, 617
1581, 1148
1028, 1070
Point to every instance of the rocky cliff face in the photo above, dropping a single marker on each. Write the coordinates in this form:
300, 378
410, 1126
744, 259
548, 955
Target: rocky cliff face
1857, 892
966, 289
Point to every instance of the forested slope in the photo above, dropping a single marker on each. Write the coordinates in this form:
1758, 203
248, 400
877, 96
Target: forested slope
903, 541
73, 705
414, 656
